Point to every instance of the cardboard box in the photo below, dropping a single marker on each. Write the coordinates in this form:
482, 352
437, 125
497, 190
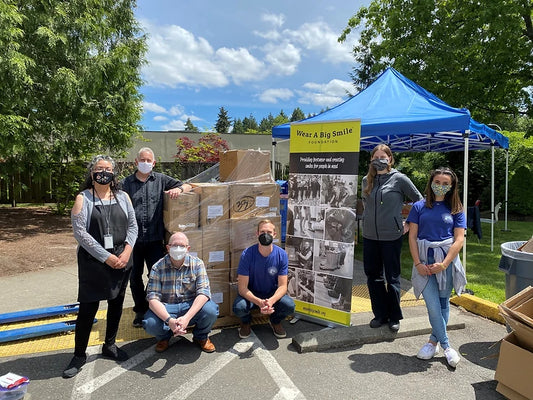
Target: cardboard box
220, 288
244, 232
182, 213
523, 332
216, 246
254, 199
519, 298
214, 202
527, 247
509, 393
514, 367
245, 166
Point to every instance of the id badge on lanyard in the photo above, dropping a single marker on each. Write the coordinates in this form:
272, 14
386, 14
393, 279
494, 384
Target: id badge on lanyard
108, 242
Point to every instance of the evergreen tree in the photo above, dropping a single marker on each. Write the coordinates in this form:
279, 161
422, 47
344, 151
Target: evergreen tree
223, 123
238, 126
297, 115
189, 126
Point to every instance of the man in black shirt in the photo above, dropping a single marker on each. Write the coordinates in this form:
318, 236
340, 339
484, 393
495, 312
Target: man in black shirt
145, 188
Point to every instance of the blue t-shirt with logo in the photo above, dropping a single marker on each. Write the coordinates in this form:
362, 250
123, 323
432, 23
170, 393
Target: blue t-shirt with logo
437, 223
262, 271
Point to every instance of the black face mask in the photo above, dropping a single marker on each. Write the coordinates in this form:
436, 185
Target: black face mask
103, 177
266, 239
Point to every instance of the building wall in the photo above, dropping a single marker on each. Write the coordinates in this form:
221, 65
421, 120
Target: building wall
163, 143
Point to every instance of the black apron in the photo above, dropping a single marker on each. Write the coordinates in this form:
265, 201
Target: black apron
97, 280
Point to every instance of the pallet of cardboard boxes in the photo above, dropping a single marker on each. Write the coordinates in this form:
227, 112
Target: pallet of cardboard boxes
220, 219
515, 362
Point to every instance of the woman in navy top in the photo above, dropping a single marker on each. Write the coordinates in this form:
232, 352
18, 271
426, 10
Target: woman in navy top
436, 234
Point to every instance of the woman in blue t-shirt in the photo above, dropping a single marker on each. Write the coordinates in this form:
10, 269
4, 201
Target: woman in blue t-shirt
436, 234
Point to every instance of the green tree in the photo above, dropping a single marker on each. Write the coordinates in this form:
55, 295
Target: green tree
223, 122
238, 126
266, 123
475, 54
189, 126
250, 124
297, 115
69, 87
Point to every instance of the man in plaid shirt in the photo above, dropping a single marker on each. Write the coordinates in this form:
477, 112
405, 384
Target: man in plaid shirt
178, 295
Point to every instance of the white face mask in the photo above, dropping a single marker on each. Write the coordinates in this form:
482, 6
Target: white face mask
145, 167
178, 252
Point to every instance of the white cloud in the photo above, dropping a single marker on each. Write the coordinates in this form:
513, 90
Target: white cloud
275, 19
147, 106
282, 58
174, 125
176, 110
273, 95
160, 118
325, 95
318, 37
240, 64
176, 57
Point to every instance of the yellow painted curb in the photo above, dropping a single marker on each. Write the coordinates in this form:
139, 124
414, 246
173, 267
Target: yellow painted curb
478, 306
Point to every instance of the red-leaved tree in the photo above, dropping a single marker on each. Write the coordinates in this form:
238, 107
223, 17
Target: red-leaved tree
207, 150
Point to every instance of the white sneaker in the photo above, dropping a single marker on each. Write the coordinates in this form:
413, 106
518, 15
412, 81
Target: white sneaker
428, 351
452, 357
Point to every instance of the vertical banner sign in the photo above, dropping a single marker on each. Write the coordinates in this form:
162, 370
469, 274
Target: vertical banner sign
321, 223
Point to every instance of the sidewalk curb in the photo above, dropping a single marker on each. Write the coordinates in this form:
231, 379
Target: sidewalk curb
478, 306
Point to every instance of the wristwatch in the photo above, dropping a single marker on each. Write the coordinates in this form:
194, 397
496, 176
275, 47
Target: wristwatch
167, 320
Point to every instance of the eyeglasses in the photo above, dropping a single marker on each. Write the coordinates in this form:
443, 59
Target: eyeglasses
102, 169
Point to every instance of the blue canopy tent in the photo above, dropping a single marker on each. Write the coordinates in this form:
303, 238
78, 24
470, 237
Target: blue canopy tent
401, 114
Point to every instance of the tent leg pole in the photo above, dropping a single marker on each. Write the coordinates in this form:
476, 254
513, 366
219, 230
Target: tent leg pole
492, 218
465, 191
506, 187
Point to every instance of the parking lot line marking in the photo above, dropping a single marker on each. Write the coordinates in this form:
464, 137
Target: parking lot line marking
92, 385
214, 366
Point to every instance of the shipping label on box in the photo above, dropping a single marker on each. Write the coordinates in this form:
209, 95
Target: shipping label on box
181, 214
214, 202
254, 199
514, 367
245, 166
216, 246
219, 285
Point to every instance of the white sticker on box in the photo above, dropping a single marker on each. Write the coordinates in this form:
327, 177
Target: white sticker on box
217, 297
216, 256
262, 201
215, 211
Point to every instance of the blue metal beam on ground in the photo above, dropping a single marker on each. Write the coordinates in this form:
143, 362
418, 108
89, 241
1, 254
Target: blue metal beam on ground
37, 330
37, 313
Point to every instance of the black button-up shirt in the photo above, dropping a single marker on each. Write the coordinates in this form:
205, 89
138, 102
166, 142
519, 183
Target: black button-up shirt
147, 199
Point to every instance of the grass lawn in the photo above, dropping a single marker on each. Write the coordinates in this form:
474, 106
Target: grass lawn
484, 277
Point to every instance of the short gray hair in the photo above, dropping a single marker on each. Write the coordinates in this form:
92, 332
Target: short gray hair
145, 150
101, 157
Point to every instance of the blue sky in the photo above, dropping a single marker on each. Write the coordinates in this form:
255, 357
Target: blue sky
250, 57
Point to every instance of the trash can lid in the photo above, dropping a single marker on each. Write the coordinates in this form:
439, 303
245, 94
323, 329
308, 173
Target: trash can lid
509, 249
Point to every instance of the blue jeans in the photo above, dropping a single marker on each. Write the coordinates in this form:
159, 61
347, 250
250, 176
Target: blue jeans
203, 320
282, 309
438, 306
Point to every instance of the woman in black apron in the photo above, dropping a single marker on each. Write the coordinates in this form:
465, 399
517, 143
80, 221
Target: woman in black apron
103, 221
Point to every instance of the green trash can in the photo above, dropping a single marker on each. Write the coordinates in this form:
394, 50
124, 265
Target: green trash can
518, 268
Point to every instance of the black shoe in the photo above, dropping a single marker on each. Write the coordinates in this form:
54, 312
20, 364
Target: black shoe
138, 321
113, 352
376, 323
74, 366
394, 326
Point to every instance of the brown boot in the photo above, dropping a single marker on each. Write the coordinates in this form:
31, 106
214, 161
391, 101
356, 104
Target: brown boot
206, 345
244, 330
